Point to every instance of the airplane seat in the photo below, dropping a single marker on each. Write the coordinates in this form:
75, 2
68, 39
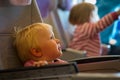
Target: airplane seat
84, 76
38, 73
11, 67
12, 16
99, 64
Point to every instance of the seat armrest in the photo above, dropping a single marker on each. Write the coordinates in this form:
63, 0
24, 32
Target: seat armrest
30, 73
72, 54
82, 52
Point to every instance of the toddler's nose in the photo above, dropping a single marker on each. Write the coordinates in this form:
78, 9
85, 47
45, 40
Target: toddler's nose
57, 40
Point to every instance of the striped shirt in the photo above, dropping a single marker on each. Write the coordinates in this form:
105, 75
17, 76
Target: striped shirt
86, 36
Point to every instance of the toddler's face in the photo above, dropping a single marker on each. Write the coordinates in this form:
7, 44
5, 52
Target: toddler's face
50, 46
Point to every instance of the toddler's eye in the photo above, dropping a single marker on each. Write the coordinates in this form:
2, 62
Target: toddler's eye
51, 37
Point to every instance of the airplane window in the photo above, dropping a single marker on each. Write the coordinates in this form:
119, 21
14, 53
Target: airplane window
116, 8
76, 2
91, 1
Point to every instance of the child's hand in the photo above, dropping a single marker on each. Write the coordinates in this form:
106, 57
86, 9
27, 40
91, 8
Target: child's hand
58, 61
40, 63
118, 12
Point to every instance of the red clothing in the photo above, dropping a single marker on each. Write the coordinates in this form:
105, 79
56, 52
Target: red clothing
86, 36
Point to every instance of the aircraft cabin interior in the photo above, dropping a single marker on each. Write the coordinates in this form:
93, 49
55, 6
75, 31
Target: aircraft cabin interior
16, 14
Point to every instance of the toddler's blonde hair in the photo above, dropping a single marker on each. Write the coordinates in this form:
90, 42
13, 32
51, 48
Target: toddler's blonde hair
28, 38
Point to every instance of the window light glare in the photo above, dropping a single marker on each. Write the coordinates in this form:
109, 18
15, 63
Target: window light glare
91, 1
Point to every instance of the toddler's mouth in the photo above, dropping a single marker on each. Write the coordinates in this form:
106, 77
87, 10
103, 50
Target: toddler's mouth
59, 47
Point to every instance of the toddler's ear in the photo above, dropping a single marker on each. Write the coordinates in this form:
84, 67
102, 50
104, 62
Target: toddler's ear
36, 52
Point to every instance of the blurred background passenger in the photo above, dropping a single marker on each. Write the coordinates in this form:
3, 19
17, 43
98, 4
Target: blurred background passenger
88, 26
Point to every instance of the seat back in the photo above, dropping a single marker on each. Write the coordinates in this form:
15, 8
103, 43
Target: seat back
10, 17
81, 76
100, 64
63, 26
37, 73
48, 11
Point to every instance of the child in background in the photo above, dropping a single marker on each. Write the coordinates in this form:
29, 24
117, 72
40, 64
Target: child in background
37, 46
88, 26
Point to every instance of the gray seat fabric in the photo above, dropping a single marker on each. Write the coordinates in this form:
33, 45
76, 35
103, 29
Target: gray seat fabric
10, 17
37, 73
99, 64
80, 76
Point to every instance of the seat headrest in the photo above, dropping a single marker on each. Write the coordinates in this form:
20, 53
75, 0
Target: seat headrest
46, 6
